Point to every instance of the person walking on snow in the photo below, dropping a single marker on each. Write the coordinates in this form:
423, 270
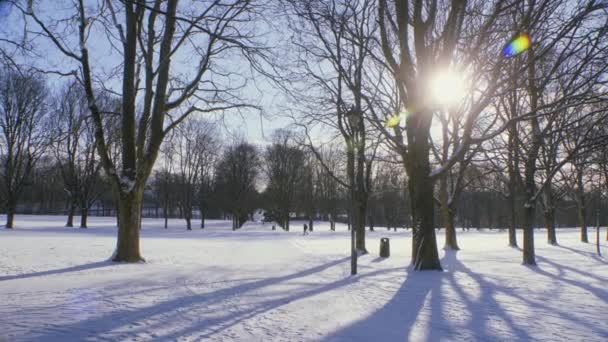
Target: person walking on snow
305, 229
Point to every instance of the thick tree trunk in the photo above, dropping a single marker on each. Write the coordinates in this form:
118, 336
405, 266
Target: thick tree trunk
127, 246
10, 216
359, 223
188, 223
166, 216
582, 219
447, 215
451, 242
512, 221
310, 223
84, 215
424, 242
70, 222
550, 225
529, 257
202, 219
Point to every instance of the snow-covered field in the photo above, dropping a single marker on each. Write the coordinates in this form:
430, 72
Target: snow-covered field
262, 285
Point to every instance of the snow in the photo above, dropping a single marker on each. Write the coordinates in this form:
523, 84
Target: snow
256, 284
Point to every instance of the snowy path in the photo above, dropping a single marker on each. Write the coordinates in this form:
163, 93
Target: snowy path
263, 285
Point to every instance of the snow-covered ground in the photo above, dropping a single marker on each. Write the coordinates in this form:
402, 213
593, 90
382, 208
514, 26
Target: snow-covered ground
262, 285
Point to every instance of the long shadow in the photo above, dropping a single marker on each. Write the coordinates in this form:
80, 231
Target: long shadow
403, 313
400, 315
60, 271
232, 318
494, 289
481, 309
117, 319
572, 269
601, 294
585, 254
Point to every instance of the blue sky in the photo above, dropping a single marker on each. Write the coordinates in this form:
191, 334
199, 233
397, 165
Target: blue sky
256, 127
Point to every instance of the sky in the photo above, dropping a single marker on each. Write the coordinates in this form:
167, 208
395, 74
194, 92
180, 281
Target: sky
252, 125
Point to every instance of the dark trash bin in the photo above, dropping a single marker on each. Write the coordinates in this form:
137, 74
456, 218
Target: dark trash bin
385, 248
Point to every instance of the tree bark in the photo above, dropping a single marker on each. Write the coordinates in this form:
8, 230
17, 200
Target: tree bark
127, 246
166, 216
550, 225
424, 241
451, 243
529, 257
359, 223
70, 222
84, 215
188, 223
10, 216
582, 218
202, 219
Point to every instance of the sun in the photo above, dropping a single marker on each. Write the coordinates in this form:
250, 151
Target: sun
447, 88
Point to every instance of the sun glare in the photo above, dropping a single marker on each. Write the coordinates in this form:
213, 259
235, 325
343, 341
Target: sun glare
447, 88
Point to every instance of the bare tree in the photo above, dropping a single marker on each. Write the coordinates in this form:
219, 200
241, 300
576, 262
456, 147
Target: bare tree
23, 138
156, 41
284, 165
192, 147
235, 182
332, 40
75, 151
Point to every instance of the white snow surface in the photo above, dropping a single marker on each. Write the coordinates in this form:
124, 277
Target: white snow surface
256, 284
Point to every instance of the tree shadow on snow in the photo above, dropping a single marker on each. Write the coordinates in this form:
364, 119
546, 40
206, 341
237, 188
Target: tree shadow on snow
60, 270
194, 310
560, 277
592, 255
404, 312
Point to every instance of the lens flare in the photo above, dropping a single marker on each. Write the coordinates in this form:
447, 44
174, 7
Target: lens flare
397, 119
518, 45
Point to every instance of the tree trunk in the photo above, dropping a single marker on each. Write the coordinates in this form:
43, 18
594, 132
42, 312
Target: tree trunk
166, 215
424, 242
10, 216
528, 256
359, 222
188, 223
582, 219
550, 225
70, 222
451, 243
84, 214
310, 223
447, 215
127, 246
202, 219
371, 223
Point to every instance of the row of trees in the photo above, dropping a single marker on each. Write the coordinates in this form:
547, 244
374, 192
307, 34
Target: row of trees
193, 174
530, 121
533, 122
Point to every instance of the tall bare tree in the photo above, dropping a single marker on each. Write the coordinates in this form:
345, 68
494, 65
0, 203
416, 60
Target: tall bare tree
235, 182
192, 146
75, 151
284, 164
155, 43
23, 137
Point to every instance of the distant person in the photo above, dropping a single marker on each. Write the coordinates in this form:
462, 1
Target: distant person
305, 229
